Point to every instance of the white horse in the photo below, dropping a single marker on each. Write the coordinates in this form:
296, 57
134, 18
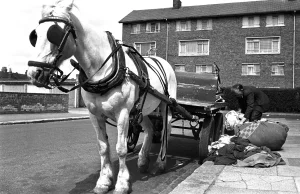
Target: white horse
91, 49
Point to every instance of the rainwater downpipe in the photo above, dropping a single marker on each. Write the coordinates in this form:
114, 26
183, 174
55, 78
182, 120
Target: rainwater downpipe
167, 40
294, 49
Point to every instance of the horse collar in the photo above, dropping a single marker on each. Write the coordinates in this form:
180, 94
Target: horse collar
115, 78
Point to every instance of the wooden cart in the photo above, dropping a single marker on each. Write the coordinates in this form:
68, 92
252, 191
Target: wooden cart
197, 95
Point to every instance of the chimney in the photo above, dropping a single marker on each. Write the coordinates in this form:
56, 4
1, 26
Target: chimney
176, 4
4, 69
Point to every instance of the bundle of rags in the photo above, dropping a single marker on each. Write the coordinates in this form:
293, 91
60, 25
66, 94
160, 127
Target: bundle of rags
237, 151
263, 132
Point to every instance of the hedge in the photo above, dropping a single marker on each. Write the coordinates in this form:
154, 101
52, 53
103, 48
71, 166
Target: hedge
281, 100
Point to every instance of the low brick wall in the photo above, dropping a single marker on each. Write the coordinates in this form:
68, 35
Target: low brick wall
14, 102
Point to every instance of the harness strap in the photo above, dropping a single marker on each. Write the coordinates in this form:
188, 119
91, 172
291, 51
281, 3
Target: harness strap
136, 112
77, 66
114, 78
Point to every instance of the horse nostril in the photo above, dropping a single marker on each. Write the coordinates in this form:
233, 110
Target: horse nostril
38, 73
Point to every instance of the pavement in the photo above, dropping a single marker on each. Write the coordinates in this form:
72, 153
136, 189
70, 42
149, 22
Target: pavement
282, 179
215, 179
72, 114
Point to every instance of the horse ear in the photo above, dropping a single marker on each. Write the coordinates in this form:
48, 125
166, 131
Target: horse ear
67, 4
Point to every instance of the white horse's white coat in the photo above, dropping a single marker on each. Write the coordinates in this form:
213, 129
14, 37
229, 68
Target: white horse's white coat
91, 50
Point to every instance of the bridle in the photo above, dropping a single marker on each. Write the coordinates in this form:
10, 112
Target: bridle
57, 36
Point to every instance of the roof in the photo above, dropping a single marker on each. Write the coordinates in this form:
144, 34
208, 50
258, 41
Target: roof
212, 10
4, 76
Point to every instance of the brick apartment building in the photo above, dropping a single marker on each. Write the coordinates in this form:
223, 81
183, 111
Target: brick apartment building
253, 43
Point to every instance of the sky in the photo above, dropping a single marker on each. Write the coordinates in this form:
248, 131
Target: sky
18, 18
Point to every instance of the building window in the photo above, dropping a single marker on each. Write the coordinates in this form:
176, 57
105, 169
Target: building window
250, 69
251, 22
152, 27
135, 28
275, 20
205, 24
277, 69
146, 48
194, 48
203, 68
183, 26
269, 45
180, 67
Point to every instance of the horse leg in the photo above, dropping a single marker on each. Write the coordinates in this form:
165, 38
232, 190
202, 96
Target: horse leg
144, 160
122, 185
105, 181
161, 161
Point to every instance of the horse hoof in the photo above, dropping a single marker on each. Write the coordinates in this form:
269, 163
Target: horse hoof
101, 190
123, 191
158, 170
143, 166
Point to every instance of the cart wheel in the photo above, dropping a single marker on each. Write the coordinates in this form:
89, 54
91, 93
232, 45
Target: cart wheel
133, 137
206, 137
218, 126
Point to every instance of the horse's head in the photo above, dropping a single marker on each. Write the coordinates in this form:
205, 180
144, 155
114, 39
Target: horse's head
54, 40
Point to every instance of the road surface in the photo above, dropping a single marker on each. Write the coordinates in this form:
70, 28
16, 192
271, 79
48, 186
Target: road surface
62, 157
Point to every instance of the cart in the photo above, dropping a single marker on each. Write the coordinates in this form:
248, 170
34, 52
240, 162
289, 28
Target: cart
197, 96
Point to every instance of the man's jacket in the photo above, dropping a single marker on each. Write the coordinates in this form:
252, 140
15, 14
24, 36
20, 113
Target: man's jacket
253, 99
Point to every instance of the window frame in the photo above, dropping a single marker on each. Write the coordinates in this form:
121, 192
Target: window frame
271, 18
188, 24
148, 42
278, 64
251, 64
256, 21
138, 29
202, 65
199, 25
193, 54
260, 52
179, 65
157, 27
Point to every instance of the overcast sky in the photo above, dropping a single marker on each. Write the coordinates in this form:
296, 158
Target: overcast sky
19, 17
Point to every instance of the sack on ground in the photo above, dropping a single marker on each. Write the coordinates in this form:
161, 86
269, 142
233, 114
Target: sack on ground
264, 133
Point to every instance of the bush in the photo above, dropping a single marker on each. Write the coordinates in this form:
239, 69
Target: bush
281, 100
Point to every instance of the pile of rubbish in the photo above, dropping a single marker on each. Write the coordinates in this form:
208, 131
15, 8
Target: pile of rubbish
253, 143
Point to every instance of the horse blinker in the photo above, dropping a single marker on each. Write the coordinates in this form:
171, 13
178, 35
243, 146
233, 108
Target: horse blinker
33, 38
55, 34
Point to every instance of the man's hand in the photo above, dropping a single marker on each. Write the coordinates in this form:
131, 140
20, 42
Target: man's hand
243, 120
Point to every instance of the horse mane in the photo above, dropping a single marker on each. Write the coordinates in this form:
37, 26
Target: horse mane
55, 8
